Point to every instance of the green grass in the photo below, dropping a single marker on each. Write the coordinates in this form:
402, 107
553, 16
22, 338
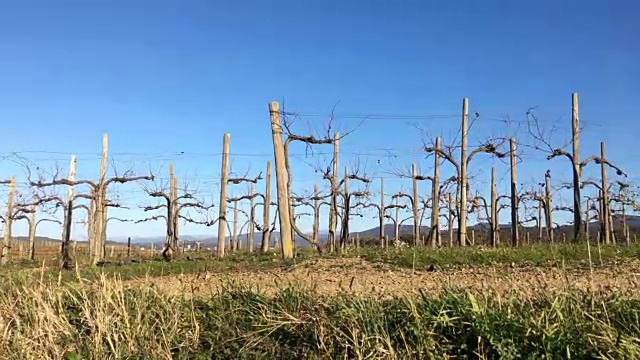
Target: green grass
126, 269
560, 255
109, 321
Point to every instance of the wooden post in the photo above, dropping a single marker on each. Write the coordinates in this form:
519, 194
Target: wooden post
99, 217
344, 237
416, 218
473, 237
382, 213
252, 216
495, 226
281, 180
173, 204
103, 236
539, 221
586, 222
527, 237
316, 212
333, 212
129, 247
235, 246
292, 203
514, 194
605, 195
450, 222
435, 198
65, 261
397, 224
575, 131
462, 220
90, 226
222, 213
8, 221
266, 232
32, 229
548, 201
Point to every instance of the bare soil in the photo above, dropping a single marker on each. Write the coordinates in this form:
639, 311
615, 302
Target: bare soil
357, 276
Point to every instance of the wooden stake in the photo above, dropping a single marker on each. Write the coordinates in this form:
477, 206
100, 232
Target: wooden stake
333, 212
252, 216
605, 195
281, 180
514, 194
549, 212
344, 237
129, 247
382, 213
416, 218
99, 216
462, 220
397, 224
8, 221
495, 226
266, 232
450, 222
65, 261
577, 170
435, 198
222, 213
235, 246
539, 221
316, 212
32, 229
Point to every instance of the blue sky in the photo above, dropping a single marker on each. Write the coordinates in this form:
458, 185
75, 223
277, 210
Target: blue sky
166, 77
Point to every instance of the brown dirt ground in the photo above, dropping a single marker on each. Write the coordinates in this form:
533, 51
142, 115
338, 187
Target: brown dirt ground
357, 276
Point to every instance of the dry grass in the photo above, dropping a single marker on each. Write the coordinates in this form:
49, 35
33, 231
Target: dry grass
103, 319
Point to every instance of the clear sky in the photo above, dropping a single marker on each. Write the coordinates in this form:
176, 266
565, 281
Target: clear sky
166, 80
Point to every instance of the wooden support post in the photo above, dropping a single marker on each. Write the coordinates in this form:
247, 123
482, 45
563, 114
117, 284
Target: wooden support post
222, 213
495, 225
344, 229
235, 246
316, 212
577, 170
32, 229
281, 180
252, 216
414, 207
435, 198
266, 232
8, 221
586, 222
450, 222
100, 207
382, 213
172, 220
65, 261
397, 224
514, 194
549, 211
333, 212
539, 221
462, 220
129, 247
605, 196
